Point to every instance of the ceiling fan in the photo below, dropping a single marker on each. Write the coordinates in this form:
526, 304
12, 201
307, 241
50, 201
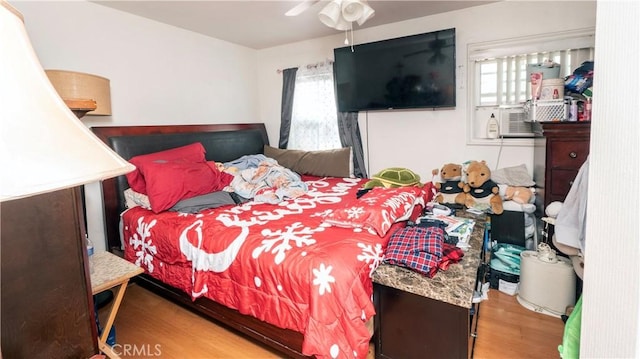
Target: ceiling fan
301, 7
337, 14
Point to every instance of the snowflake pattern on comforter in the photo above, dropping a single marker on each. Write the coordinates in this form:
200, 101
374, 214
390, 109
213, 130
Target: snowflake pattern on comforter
276, 262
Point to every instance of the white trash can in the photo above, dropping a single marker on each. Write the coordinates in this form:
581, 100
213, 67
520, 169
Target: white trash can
546, 285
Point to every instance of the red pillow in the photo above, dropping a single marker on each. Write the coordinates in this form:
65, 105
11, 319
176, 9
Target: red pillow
169, 182
189, 153
378, 209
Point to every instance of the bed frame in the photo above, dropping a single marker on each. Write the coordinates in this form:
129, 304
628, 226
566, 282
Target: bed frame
223, 142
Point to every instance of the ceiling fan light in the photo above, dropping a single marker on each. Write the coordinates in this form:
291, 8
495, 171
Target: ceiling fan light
330, 14
343, 24
352, 10
367, 13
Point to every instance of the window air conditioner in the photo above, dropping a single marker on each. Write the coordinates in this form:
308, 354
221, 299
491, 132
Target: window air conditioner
513, 122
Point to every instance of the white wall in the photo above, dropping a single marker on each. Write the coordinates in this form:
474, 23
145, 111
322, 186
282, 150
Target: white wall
159, 74
611, 294
424, 139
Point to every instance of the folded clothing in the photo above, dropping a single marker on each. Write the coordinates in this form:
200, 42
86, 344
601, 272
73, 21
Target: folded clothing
416, 248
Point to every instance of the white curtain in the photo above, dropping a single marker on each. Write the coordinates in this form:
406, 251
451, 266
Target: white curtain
314, 123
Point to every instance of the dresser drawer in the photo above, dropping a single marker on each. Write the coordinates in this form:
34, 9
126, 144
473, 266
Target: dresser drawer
561, 181
568, 153
558, 159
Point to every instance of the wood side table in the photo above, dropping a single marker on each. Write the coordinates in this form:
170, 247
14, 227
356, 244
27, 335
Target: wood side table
419, 317
111, 271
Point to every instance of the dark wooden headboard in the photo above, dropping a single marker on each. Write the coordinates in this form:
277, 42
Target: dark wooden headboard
223, 143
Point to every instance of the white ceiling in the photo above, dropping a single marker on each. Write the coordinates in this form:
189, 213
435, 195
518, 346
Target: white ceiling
261, 24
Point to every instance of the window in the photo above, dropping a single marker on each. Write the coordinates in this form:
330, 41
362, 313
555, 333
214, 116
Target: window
498, 74
314, 122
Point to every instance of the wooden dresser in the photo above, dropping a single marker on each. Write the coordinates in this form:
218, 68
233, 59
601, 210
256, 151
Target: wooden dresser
560, 150
47, 308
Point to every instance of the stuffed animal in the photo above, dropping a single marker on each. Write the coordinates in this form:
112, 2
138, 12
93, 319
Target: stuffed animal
393, 177
449, 186
522, 195
479, 188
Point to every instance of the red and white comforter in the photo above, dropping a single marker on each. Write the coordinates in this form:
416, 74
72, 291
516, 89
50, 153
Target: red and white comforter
277, 262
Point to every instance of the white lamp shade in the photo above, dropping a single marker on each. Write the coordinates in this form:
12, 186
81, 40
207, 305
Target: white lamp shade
331, 13
367, 13
342, 24
352, 10
43, 145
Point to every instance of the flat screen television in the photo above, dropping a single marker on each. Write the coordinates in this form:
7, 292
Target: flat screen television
417, 71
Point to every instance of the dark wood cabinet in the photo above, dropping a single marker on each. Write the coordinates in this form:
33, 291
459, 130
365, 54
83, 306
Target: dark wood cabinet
413, 326
560, 150
420, 317
47, 309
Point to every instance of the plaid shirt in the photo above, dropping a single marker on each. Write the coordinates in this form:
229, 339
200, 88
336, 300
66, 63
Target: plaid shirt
417, 248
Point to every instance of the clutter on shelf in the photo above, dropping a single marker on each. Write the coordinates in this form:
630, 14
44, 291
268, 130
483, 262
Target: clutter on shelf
507, 195
554, 98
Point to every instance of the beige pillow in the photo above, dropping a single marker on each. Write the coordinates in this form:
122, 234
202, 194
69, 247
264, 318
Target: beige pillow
329, 163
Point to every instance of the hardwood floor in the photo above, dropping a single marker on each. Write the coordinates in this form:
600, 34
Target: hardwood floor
506, 329
149, 326
148, 322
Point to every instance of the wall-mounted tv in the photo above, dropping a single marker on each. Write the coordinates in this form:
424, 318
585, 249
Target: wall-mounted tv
417, 71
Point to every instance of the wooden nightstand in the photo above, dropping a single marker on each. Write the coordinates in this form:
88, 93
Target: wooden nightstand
111, 271
419, 317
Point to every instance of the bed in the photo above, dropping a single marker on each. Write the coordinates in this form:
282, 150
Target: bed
282, 272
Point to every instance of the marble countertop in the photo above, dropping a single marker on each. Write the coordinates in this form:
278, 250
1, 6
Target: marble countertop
454, 286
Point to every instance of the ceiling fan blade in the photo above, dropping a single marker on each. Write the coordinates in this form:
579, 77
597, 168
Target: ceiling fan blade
300, 8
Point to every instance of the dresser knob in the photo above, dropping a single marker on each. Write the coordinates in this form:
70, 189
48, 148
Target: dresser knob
573, 154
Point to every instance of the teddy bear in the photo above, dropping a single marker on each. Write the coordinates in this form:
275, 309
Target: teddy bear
480, 189
522, 195
449, 186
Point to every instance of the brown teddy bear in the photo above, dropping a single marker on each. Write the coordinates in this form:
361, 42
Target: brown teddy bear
479, 188
449, 186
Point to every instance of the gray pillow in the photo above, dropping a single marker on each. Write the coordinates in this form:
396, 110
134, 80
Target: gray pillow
329, 163
513, 176
205, 201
